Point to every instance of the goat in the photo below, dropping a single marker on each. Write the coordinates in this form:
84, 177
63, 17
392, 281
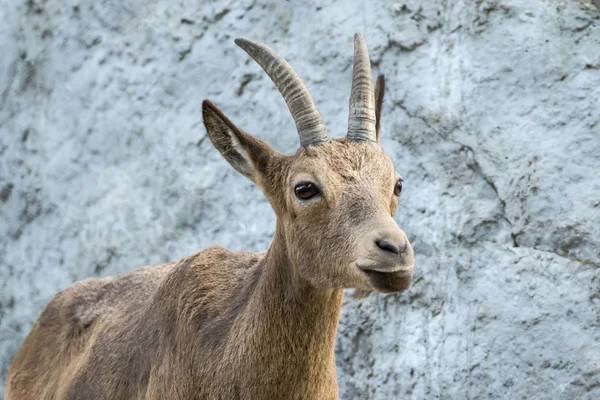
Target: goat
237, 325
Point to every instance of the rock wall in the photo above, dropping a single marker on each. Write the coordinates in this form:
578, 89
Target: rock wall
492, 115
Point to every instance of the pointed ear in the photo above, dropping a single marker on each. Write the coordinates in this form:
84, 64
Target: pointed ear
247, 154
379, 93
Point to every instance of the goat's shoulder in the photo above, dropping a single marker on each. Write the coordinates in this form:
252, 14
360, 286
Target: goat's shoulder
212, 274
217, 262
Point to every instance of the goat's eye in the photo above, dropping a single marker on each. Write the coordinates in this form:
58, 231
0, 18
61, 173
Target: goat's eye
398, 187
306, 190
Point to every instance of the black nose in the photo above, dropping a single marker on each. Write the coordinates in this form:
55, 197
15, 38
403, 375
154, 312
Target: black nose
386, 245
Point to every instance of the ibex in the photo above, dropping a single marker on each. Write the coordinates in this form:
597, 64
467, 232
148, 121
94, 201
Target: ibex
225, 325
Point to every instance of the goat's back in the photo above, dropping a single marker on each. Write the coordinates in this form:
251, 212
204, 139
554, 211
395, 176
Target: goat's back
115, 337
62, 339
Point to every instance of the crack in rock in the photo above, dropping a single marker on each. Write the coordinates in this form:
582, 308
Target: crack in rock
475, 166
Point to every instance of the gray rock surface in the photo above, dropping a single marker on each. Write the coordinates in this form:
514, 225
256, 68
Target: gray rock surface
492, 115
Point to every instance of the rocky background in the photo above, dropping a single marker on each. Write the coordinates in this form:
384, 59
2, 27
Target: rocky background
492, 115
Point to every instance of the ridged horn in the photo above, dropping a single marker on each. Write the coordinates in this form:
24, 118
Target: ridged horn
309, 123
361, 120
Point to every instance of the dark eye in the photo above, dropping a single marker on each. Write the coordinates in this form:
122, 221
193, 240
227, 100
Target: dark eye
306, 190
398, 187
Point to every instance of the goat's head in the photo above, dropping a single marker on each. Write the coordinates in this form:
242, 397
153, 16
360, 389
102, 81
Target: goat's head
335, 198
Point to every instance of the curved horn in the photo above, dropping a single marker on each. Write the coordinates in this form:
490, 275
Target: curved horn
361, 120
309, 123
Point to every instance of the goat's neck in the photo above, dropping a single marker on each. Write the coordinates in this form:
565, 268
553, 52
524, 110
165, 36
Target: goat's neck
289, 321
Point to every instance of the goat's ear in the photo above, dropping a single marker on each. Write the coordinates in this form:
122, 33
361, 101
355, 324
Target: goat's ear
379, 93
247, 154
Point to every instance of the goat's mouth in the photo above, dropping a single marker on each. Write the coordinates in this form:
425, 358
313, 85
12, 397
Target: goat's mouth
385, 279
389, 282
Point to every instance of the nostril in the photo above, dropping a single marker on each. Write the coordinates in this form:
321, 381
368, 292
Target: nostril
386, 245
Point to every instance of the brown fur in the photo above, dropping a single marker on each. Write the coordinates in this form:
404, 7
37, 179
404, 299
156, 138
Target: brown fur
223, 325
